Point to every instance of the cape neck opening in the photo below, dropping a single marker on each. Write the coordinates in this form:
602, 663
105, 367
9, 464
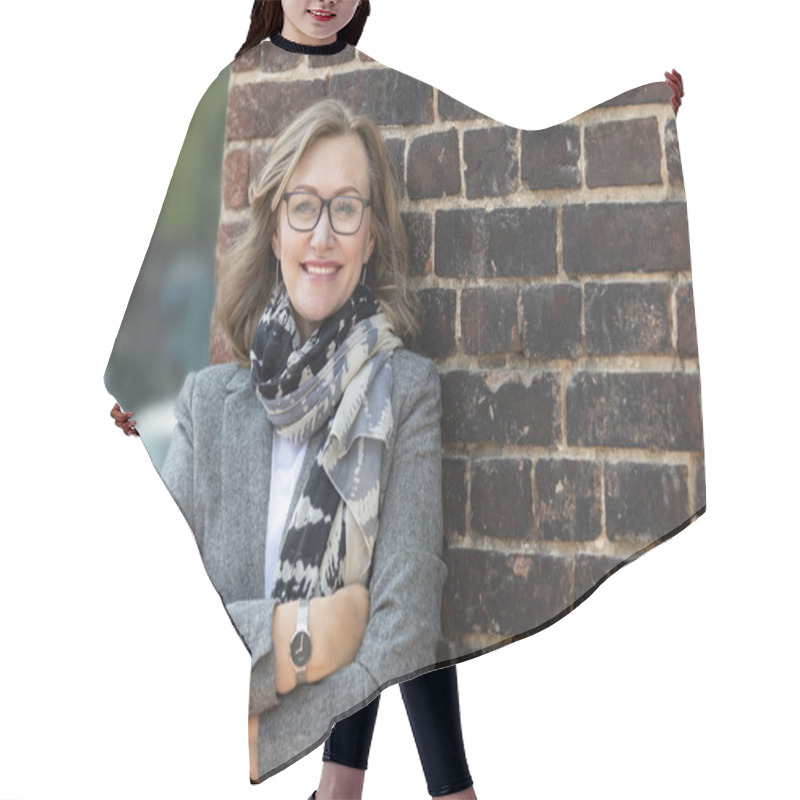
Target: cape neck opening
307, 49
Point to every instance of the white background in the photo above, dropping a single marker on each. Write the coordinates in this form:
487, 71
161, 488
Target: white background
120, 675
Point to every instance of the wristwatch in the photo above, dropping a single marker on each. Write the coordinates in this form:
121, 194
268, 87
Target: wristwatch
300, 646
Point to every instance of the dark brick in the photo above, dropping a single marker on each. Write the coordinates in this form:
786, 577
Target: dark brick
342, 57
500, 498
489, 320
454, 497
635, 237
627, 318
649, 93
651, 409
420, 234
490, 156
623, 153
506, 243
396, 153
503, 594
249, 60
674, 167
389, 97
645, 501
235, 178
453, 109
699, 486
568, 500
549, 158
262, 110
687, 330
551, 320
433, 166
498, 407
437, 339
276, 59
591, 570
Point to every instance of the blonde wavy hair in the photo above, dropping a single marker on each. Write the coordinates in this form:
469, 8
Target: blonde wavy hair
250, 269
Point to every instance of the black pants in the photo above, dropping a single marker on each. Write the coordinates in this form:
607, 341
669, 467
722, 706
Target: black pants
432, 707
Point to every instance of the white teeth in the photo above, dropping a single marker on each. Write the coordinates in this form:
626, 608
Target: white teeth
321, 270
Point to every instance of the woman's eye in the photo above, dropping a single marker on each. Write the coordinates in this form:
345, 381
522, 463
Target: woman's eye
345, 208
305, 207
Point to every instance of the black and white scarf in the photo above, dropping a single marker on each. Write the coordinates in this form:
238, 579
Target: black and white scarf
341, 377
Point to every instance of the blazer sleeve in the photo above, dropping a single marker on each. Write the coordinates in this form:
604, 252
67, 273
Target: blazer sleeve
405, 586
251, 618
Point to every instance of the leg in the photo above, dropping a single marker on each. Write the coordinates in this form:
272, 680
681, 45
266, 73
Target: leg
346, 754
433, 711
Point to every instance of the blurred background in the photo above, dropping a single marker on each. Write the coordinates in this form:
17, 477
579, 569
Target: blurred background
164, 334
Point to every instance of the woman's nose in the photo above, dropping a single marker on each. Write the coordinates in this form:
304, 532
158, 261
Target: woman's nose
322, 235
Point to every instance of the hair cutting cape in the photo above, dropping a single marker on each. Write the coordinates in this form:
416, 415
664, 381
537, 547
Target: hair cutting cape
554, 276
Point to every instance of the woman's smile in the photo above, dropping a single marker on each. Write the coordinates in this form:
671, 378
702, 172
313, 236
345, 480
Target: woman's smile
320, 267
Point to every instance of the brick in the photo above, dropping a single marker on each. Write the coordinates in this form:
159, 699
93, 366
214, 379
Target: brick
699, 486
489, 320
450, 109
649, 93
590, 571
645, 501
649, 410
687, 330
623, 153
503, 594
342, 57
568, 500
262, 110
437, 338
498, 407
674, 167
501, 500
630, 237
396, 153
420, 238
433, 166
551, 320
627, 318
276, 59
235, 178
389, 97
505, 243
490, 156
549, 159
454, 497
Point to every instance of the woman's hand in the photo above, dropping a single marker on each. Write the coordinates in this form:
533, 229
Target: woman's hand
675, 82
124, 420
336, 624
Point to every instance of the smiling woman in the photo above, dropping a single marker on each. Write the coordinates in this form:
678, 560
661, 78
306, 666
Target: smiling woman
319, 265
316, 21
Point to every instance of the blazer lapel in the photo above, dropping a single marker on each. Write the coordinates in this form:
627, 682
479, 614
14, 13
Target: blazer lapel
246, 461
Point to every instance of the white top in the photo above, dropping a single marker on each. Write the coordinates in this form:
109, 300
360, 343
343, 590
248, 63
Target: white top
287, 461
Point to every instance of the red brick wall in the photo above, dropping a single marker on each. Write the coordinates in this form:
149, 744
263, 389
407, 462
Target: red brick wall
553, 268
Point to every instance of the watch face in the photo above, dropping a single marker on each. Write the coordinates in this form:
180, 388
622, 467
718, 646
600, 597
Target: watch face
301, 648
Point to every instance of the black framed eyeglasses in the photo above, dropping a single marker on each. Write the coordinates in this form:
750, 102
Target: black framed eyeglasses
345, 212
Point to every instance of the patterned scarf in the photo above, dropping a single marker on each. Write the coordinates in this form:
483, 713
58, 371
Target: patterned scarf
342, 378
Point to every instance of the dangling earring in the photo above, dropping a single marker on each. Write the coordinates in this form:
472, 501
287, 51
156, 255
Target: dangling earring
364, 274
277, 290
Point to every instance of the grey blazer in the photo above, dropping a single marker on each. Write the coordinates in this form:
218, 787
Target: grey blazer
218, 471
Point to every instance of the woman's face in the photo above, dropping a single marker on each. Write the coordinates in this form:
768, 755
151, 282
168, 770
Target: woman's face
321, 268
315, 22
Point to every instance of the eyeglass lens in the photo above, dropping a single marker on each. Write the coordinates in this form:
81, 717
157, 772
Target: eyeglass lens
305, 210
